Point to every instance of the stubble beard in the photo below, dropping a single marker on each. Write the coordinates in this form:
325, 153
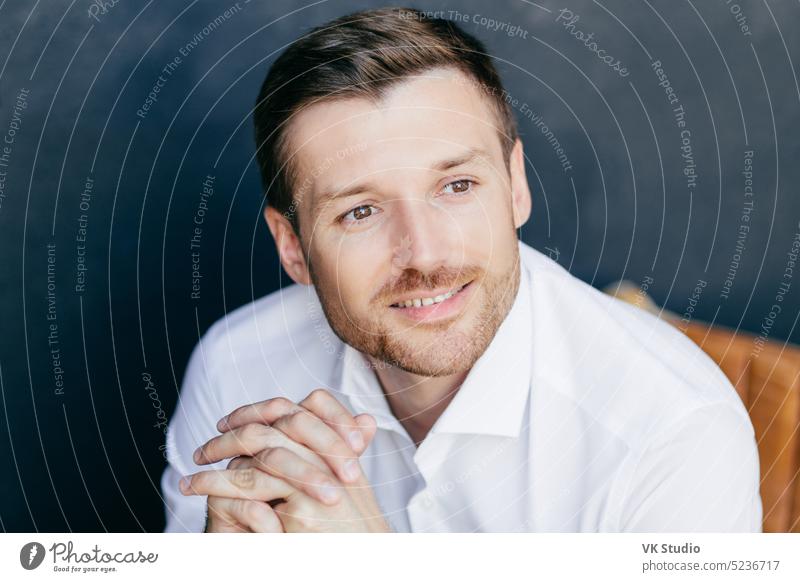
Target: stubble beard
447, 348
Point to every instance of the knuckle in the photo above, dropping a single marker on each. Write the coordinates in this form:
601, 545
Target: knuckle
271, 457
309, 476
342, 421
318, 396
280, 423
260, 458
302, 513
276, 442
250, 432
252, 511
333, 445
286, 423
296, 420
279, 403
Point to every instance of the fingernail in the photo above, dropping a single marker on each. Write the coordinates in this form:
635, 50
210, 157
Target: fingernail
184, 484
223, 422
328, 492
198, 455
351, 469
356, 440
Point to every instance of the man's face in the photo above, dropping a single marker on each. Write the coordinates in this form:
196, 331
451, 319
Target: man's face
408, 218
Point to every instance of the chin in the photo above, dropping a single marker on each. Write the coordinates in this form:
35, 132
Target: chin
452, 354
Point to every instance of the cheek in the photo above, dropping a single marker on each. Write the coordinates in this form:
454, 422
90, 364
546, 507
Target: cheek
482, 229
498, 219
490, 243
354, 272
484, 214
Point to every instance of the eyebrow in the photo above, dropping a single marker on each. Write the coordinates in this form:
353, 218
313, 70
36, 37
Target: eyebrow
471, 155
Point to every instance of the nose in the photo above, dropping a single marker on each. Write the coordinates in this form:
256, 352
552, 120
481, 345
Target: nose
425, 236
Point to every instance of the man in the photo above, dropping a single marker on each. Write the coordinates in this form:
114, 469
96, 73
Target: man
428, 371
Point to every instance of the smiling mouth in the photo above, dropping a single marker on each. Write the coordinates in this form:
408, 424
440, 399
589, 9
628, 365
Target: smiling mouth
427, 301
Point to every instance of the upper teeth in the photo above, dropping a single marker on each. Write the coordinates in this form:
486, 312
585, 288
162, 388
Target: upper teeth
428, 300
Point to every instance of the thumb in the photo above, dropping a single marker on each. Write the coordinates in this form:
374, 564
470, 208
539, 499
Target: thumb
368, 426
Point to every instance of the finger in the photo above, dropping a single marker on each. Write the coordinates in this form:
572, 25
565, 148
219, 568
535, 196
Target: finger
368, 426
308, 430
247, 462
240, 462
220, 520
265, 412
241, 515
250, 439
245, 440
320, 401
325, 490
248, 483
299, 473
323, 404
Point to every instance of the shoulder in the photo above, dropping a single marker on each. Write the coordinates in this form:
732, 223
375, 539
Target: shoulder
628, 371
278, 345
262, 328
699, 474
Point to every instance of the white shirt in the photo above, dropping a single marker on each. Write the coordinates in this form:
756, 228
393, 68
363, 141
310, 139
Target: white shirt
583, 414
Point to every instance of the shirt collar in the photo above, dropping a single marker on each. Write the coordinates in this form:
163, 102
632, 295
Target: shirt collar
492, 399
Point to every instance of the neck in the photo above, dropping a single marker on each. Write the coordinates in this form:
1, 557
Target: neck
416, 401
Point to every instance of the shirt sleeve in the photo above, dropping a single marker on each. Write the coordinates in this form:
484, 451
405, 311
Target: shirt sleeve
192, 424
699, 475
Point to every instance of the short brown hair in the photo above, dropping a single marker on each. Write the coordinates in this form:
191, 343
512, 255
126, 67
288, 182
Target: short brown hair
360, 55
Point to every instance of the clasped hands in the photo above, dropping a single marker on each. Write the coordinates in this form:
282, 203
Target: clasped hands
295, 469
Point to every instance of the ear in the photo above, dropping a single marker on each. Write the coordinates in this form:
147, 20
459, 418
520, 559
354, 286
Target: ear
520, 194
289, 247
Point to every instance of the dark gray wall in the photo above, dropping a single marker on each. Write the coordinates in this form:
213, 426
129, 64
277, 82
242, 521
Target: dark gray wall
87, 454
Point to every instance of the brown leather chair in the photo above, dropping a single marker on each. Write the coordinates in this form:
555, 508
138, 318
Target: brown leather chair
766, 374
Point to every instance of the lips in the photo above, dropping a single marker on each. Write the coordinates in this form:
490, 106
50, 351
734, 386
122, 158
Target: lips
425, 300
446, 309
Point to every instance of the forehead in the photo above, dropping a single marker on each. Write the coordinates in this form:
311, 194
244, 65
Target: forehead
418, 122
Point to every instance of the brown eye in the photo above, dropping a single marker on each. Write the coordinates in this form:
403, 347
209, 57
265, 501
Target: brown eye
362, 212
458, 187
358, 214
